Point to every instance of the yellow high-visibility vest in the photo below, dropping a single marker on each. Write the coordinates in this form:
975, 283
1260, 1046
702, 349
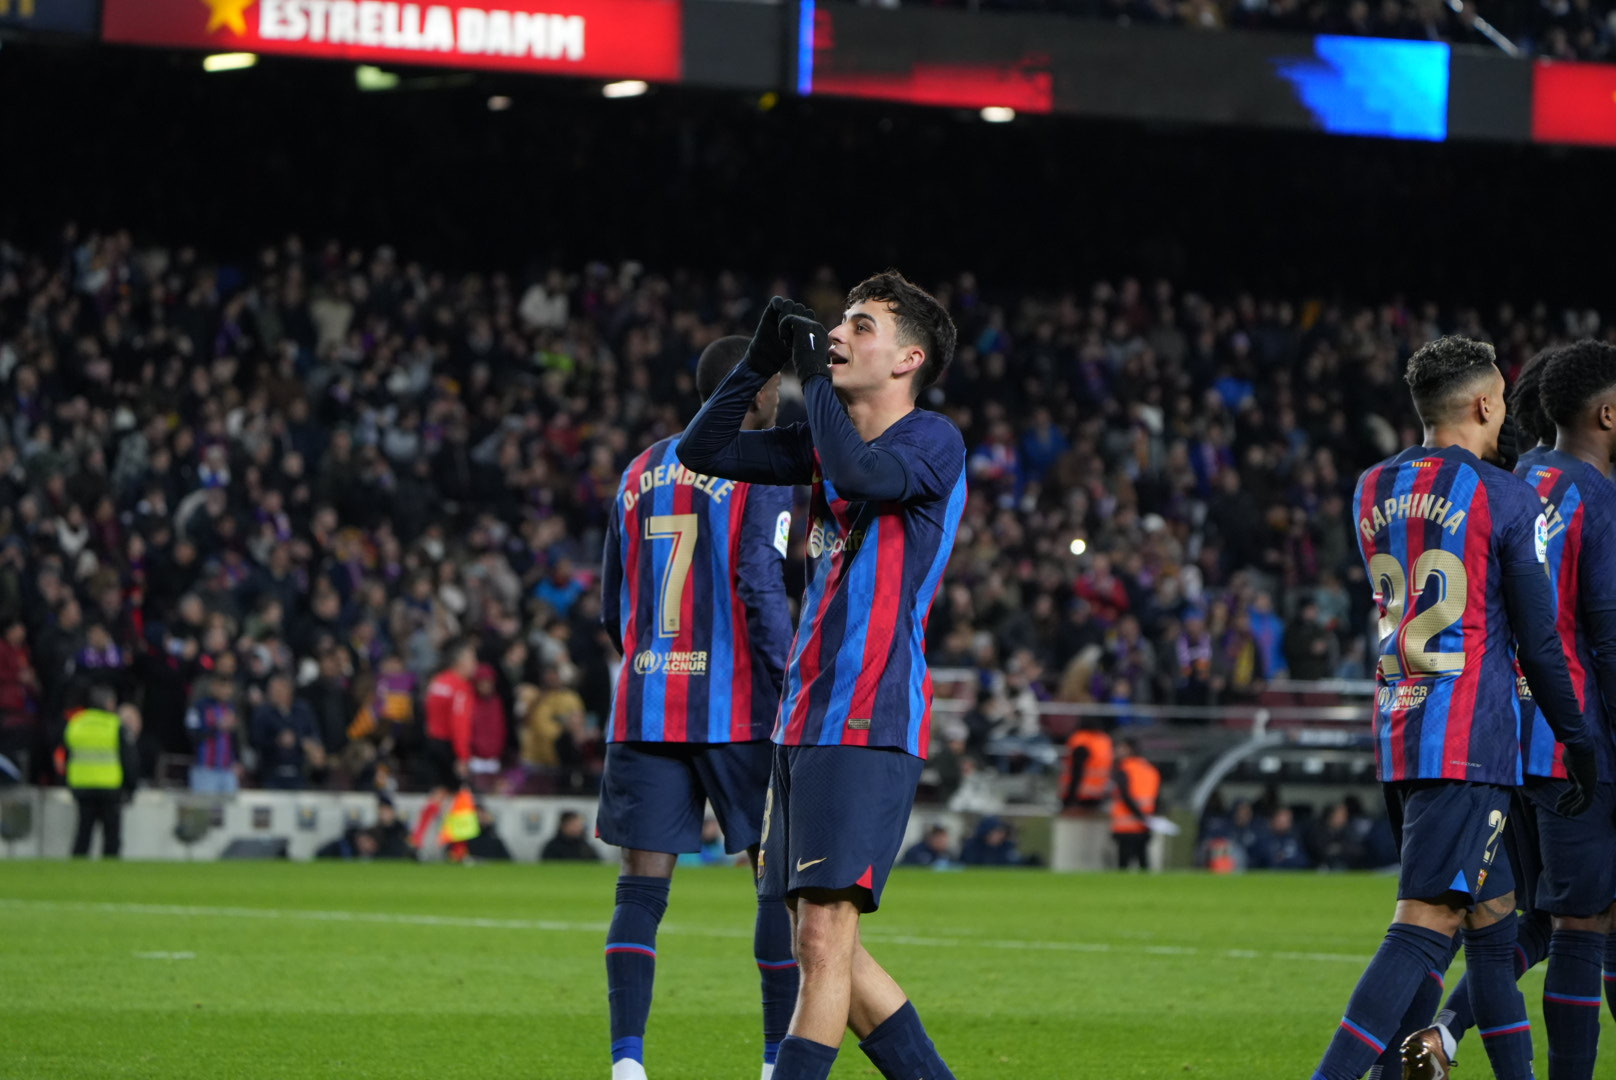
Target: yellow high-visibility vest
92, 750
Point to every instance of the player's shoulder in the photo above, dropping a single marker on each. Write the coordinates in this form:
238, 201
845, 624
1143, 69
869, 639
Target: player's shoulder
927, 432
649, 457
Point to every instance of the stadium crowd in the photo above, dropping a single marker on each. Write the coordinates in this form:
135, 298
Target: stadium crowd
1270, 834
264, 500
1558, 29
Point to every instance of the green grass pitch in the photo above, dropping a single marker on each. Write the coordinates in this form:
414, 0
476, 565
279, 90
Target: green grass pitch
286, 971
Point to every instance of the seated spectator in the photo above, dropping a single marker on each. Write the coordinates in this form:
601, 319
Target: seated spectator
1280, 846
934, 850
487, 844
1334, 844
569, 841
993, 844
387, 839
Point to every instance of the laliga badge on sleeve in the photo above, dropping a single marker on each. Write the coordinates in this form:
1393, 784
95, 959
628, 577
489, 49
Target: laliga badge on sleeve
1540, 537
782, 533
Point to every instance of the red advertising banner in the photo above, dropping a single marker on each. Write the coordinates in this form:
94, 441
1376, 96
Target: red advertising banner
1574, 103
630, 38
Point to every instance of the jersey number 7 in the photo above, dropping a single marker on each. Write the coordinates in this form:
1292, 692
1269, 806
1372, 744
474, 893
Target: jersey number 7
682, 530
1409, 652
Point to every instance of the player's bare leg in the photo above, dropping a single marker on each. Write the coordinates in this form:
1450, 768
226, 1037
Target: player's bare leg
843, 987
642, 898
876, 995
825, 935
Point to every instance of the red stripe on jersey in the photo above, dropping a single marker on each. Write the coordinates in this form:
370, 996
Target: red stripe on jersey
1570, 599
676, 702
888, 535
629, 529
809, 666
1462, 705
1424, 481
740, 701
923, 740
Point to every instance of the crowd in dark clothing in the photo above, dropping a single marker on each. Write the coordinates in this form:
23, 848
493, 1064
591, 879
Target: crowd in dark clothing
1270, 835
1557, 29
263, 498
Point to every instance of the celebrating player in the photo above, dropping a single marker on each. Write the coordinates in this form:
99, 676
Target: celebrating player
1452, 542
1567, 866
888, 491
694, 597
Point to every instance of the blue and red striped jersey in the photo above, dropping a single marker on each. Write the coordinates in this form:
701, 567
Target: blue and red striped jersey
694, 582
1578, 503
1437, 528
858, 675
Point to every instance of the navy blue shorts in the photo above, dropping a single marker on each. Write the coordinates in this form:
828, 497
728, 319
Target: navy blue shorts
1568, 866
835, 820
653, 795
1448, 838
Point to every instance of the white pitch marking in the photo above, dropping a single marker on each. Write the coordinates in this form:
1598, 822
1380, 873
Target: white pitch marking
553, 926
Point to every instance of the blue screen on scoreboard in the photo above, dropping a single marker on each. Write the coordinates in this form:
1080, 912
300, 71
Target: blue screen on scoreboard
1373, 86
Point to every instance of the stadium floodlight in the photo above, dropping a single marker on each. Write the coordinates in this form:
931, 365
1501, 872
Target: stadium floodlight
1079, 546
626, 88
998, 114
367, 77
230, 61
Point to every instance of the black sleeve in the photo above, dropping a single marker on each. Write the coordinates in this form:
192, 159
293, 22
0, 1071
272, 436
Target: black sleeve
715, 444
1080, 760
1529, 599
1120, 780
611, 580
859, 472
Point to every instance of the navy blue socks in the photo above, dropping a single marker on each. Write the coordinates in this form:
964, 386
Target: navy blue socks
1406, 958
1496, 1001
1571, 1003
631, 961
777, 970
1531, 948
901, 1050
803, 1059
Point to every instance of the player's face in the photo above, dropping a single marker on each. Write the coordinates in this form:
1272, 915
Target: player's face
865, 353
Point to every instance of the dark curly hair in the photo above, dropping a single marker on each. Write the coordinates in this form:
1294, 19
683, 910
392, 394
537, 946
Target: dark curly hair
1442, 369
1573, 376
922, 321
1526, 401
718, 360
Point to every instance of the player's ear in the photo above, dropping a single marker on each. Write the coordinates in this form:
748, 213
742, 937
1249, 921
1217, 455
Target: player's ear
1607, 416
910, 360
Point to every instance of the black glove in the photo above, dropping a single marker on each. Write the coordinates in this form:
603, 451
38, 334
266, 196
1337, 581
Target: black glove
768, 351
810, 344
1509, 444
1582, 774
